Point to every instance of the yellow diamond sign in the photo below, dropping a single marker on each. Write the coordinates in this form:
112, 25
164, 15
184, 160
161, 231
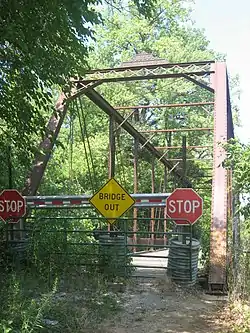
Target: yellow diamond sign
112, 201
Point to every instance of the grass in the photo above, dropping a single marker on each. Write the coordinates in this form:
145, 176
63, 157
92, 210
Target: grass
82, 315
28, 305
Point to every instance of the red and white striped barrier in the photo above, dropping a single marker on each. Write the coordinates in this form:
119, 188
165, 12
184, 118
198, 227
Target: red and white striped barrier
142, 200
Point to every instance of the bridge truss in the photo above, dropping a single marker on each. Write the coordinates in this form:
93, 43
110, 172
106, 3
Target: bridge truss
212, 78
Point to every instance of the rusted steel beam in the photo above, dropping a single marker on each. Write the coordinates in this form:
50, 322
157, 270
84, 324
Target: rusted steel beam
125, 119
111, 160
152, 222
158, 106
149, 242
81, 89
165, 208
184, 155
178, 130
143, 77
190, 159
219, 214
188, 147
108, 109
198, 83
166, 65
135, 210
111, 147
45, 148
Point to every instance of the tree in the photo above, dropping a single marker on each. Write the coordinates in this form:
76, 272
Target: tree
42, 45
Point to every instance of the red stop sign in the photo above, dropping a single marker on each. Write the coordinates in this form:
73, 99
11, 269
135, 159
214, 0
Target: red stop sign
12, 206
184, 205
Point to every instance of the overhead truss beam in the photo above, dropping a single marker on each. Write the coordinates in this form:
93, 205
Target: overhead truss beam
148, 76
156, 65
158, 106
205, 129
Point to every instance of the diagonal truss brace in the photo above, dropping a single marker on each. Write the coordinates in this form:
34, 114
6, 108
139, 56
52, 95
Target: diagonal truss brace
45, 148
200, 84
35, 176
97, 99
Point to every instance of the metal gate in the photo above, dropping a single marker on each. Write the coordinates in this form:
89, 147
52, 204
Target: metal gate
64, 236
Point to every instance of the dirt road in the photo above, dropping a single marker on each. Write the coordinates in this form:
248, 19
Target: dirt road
158, 306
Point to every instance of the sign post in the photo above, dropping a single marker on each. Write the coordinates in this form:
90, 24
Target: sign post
12, 206
112, 200
184, 206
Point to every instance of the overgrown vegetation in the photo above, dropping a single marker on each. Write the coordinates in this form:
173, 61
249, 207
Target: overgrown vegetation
42, 46
58, 282
29, 305
238, 313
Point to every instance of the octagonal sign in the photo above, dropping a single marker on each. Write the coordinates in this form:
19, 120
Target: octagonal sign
184, 206
12, 206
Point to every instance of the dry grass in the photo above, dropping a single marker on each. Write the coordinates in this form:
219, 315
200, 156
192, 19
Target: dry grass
235, 318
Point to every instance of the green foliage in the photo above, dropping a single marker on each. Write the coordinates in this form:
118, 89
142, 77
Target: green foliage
238, 158
168, 35
82, 313
42, 46
28, 308
19, 312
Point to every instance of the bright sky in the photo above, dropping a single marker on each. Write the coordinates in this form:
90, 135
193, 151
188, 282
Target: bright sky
227, 26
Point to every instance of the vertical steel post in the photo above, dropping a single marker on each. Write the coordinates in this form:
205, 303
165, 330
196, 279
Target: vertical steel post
167, 175
184, 170
126, 250
135, 211
10, 174
184, 155
111, 170
111, 148
219, 213
236, 236
165, 208
10, 186
153, 209
169, 144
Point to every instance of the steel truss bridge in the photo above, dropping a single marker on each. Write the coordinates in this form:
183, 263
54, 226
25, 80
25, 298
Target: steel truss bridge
207, 76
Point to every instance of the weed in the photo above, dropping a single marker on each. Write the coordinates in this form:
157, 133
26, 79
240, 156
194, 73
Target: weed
24, 313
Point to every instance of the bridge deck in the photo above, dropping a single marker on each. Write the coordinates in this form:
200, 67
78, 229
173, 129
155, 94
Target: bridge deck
152, 265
